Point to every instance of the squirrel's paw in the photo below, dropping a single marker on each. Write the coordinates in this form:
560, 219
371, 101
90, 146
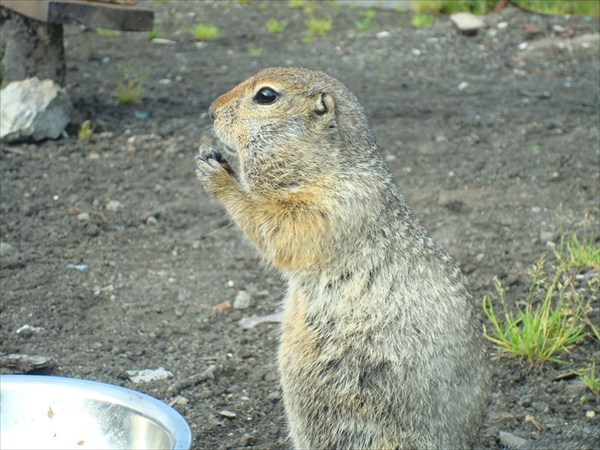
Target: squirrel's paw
210, 165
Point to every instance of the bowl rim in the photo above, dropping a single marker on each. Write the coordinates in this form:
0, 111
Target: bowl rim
144, 404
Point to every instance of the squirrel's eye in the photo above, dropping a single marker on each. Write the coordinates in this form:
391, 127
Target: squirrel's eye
265, 96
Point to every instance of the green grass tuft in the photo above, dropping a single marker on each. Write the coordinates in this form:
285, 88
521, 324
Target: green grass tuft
422, 20
204, 32
590, 377
274, 26
540, 330
85, 131
107, 32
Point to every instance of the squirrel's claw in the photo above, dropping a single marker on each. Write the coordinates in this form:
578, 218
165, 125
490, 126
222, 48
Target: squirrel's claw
210, 164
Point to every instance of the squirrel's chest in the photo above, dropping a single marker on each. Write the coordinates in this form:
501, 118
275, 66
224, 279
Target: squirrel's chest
309, 339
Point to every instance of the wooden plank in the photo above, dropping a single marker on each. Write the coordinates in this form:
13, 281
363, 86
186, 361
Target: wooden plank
36, 10
91, 14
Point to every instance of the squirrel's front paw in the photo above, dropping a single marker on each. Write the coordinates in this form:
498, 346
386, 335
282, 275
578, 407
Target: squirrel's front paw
210, 167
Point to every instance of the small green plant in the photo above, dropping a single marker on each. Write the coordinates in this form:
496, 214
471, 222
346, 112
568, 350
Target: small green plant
275, 26
107, 32
254, 50
85, 131
554, 7
203, 32
590, 377
154, 34
538, 332
579, 253
297, 3
561, 7
316, 27
367, 20
422, 20
131, 85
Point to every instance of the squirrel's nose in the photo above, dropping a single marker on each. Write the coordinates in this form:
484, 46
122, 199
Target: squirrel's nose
211, 111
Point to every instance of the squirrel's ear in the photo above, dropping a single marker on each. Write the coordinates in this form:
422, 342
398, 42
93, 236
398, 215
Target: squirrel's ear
324, 104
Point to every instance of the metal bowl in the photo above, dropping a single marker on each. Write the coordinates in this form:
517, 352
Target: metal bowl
43, 412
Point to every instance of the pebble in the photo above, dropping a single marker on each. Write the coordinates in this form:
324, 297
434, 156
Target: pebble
251, 322
274, 396
242, 300
179, 401
463, 86
467, 23
162, 41
28, 329
165, 82
114, 205
511, 441
6, 249
228, 414
151, 220
382, 35
146, 375
590, 414
246, 440
83, 216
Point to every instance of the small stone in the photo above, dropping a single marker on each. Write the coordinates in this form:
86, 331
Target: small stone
165, 82
590, 414
6, 249
114, 205
467, 23
416, 52
162, 41
83, 216
541, 407
274, 396
511, 441
147, 375
151, 221
462, 86
242, 300
223, 306
523, 46
228, 414
502, 25
246, 440
382, 35
179, 401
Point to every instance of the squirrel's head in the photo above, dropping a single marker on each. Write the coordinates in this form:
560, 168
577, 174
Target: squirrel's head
285, 124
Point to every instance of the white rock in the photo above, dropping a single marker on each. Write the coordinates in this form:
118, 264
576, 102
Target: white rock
6, 249
163, 41
146, 375
242, 300
114, 205
467, 22
383, 35
33, 109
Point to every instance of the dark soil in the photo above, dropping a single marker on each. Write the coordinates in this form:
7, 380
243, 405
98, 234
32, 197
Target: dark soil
495, 146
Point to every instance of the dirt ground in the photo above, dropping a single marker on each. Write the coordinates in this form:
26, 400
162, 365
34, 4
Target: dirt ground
113, 258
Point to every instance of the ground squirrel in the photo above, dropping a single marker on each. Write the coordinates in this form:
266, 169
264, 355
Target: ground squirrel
380, 343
